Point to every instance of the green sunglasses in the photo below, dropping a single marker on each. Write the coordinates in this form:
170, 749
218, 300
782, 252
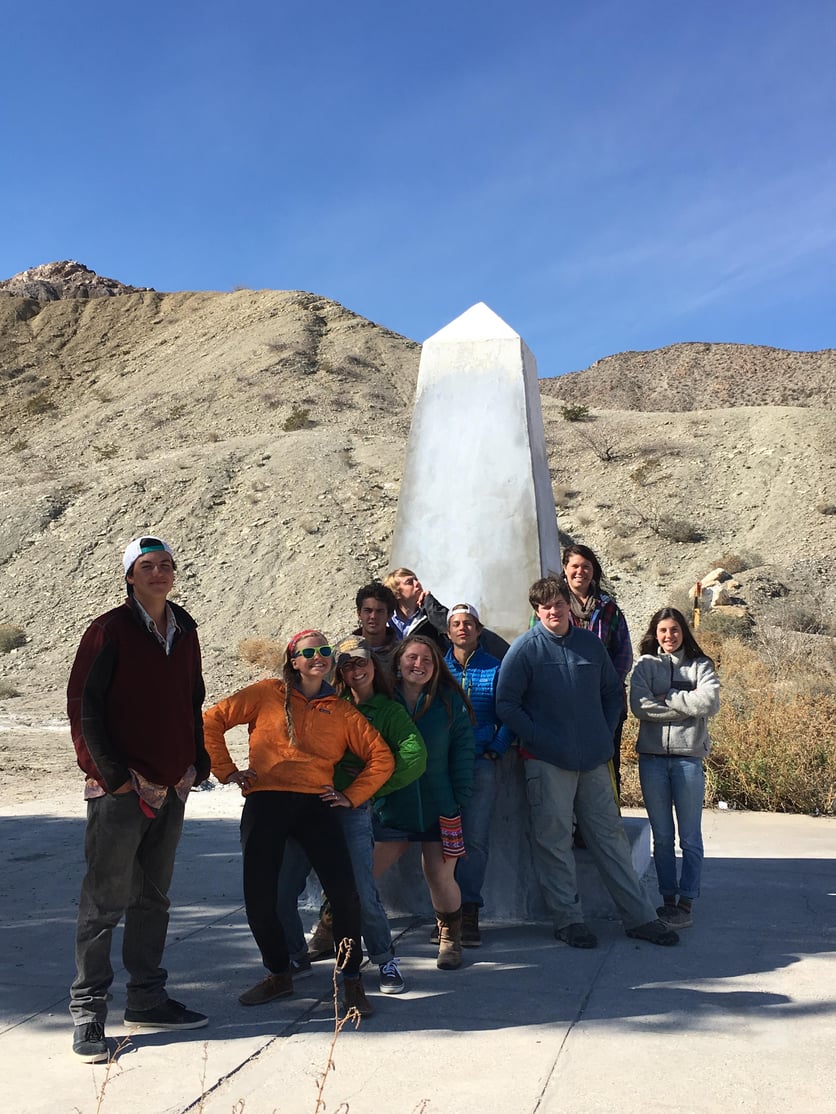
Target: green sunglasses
311, 652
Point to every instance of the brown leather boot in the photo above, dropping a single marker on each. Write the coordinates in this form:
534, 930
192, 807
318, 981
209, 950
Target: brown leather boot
471, 936
321, 944
354, 997
449, 940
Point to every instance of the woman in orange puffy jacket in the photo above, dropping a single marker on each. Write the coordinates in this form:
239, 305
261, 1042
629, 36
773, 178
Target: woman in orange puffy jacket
299, 729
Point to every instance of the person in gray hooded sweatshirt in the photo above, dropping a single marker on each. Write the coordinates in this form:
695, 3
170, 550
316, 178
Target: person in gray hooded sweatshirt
673, 692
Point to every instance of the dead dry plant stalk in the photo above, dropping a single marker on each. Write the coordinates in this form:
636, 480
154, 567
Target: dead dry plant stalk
352, 1015
112, 1061
774, 738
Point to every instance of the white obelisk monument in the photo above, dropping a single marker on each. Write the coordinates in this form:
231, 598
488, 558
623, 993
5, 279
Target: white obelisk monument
476, 517
476, 521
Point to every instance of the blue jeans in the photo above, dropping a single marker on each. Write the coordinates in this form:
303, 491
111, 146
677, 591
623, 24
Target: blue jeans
674, 784
130, 861
357, 829
476, 823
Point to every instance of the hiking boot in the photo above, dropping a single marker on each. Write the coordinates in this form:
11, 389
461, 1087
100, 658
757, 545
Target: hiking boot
321, 944
89, 1043
300, 968
577, 935
471, 937
169, 1015
449, 940
354, 997
391, 979
654, 932
675, 916
274, 986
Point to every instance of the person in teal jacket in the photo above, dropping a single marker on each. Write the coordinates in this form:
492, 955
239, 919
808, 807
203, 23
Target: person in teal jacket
363, 682
429, 810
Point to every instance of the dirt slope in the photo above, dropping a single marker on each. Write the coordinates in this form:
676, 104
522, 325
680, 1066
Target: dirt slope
263, 432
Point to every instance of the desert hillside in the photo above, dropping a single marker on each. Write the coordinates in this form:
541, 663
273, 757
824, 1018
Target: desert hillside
263, 433
702, 377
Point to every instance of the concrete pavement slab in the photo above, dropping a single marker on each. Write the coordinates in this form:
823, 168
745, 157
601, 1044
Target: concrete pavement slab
742, 1015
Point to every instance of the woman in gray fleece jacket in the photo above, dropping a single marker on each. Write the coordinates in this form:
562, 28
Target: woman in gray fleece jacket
673, 691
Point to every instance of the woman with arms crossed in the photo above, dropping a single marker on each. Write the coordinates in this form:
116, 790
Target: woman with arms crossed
674, 691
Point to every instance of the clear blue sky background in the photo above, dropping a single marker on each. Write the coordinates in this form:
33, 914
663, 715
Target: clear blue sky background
609, 175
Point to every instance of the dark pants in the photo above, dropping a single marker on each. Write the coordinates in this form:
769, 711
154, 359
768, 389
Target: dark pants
130, 861
616, 754
269, 817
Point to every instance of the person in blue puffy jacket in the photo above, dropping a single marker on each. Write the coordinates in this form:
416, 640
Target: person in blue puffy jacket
476, 671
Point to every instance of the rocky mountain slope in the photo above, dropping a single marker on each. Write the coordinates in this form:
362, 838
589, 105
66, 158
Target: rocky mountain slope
263, 433
67, 279
702, 377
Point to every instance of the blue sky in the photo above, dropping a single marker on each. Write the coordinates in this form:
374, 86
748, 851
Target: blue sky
606, 176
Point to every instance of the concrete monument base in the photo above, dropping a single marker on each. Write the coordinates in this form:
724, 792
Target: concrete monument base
511, 891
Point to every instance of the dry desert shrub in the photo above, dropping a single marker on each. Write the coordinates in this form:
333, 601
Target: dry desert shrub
262, 652
774, 738
675, 529
774, 741
299, 418
11, 637
737, 562
574, 412
648, 472
563, 495
725, 622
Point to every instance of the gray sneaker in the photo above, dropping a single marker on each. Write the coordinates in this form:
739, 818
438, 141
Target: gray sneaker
89, 1044
675, 916
655, 932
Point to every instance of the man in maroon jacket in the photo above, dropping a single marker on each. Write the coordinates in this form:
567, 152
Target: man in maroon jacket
134, 700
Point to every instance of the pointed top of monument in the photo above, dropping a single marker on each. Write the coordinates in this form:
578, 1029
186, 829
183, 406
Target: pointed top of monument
477, 323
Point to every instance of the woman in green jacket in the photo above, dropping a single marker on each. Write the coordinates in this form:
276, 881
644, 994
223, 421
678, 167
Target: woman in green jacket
428, 811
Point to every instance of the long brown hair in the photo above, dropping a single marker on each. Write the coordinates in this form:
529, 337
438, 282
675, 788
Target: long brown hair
442, 683
380, 682
650, 643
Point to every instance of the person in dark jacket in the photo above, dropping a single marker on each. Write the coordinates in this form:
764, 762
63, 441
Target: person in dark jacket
419, 612
560, 695
134, 702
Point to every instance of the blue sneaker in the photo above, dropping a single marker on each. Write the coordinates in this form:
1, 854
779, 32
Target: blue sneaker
391, 979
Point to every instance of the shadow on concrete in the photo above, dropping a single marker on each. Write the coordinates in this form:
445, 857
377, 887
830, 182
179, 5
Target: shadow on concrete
755, 915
